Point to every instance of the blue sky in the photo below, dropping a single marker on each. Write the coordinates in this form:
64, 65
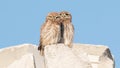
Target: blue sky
95, 21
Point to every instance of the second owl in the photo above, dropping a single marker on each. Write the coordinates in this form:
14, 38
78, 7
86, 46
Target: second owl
67, 28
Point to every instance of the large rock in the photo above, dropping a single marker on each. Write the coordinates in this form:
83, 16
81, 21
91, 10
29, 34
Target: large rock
61, 56
26, 61
56, 56
21, 56
99, 56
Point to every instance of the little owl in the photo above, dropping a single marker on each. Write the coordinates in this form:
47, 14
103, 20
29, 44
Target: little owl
50, 31
67, 28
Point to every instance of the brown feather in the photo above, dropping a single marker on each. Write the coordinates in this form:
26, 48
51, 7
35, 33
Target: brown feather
50, 31
68, 30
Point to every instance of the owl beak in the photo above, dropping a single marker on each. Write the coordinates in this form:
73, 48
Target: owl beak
67, 17
62, 17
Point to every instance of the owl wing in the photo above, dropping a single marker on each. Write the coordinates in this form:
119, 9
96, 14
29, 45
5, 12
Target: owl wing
49, 34
43, 31
71, 31
40, 44
68, 34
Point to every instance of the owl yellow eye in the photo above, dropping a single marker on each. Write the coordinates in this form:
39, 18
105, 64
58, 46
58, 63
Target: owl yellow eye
49, 17
57, 17
67, 14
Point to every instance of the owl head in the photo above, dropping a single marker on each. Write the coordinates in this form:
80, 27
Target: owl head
54, 17
65, 15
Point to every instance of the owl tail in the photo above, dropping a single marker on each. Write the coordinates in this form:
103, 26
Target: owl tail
40, 47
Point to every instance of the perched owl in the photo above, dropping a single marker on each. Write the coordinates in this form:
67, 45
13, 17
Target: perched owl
67, 28
50, 31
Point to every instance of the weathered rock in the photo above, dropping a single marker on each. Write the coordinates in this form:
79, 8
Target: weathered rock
61, 56
99, 56
9, 56
57, 56
26, 61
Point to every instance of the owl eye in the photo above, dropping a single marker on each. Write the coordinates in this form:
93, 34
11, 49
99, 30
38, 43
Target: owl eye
67, 14
57, 17
50, 16
60, 14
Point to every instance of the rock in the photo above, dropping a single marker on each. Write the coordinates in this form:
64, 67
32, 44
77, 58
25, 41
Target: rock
61, 56
12, 56
99, 56
57, 56
26, 61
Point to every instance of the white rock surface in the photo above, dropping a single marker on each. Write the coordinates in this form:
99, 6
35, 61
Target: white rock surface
14, 55
26, 61
99, 56
61, 56
57, 56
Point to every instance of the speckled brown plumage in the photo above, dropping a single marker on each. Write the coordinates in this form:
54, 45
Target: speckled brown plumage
50, 31
67, 28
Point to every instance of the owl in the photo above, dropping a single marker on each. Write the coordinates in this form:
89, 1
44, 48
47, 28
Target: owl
67, 28
50, 31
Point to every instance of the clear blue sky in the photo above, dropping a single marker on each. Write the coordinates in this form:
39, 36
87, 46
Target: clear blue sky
95, 21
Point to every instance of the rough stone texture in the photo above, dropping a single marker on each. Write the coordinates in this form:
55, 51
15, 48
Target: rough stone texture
57, 56
10, 55
99, 56
26, 61
61, 56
